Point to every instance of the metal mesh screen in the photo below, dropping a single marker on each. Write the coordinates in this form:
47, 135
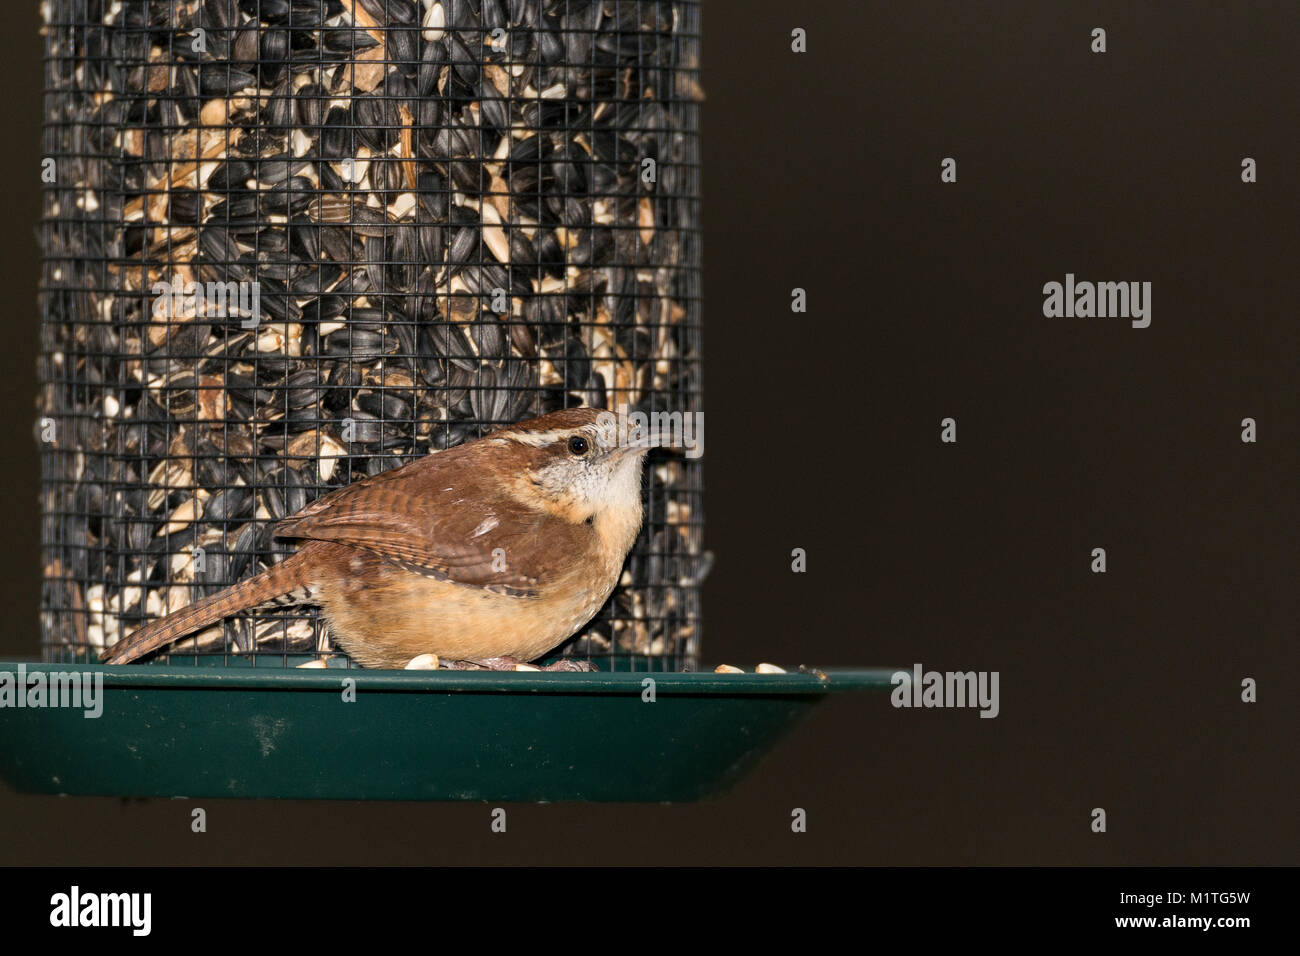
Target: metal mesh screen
292, 243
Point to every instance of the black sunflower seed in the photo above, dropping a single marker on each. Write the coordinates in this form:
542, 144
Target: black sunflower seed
311, 99
384, 405
348, 42
222, 80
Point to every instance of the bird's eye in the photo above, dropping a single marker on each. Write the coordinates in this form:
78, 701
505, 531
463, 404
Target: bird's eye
578, 446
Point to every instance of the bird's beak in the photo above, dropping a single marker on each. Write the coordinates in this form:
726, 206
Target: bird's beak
635, 436
639, 447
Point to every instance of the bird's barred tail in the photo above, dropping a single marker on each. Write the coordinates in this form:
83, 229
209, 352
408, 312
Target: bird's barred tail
283, 583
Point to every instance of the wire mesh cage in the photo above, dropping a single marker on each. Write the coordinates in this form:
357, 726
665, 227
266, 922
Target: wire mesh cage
289, 244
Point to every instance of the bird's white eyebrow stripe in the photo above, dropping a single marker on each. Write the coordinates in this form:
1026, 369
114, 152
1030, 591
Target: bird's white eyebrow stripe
539, 439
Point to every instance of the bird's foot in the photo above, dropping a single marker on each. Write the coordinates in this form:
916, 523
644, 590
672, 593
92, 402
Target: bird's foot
514, 664
571, 664
484, 664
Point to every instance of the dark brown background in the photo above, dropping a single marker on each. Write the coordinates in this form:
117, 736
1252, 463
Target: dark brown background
822, 171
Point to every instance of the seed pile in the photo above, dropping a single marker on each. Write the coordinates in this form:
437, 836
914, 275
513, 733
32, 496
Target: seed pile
451, 215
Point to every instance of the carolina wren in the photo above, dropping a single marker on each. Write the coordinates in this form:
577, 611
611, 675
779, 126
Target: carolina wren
492, 552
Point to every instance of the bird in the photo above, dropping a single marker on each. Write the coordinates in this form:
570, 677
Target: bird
488, 554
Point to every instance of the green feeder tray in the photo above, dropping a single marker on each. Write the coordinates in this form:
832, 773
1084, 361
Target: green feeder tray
186, 731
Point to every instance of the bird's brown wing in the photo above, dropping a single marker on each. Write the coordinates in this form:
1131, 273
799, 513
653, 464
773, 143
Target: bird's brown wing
436, 518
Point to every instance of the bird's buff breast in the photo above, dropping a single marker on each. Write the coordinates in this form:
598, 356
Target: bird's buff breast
383, 615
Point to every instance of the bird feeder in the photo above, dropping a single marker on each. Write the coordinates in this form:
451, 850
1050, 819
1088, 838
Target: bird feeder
289, 244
